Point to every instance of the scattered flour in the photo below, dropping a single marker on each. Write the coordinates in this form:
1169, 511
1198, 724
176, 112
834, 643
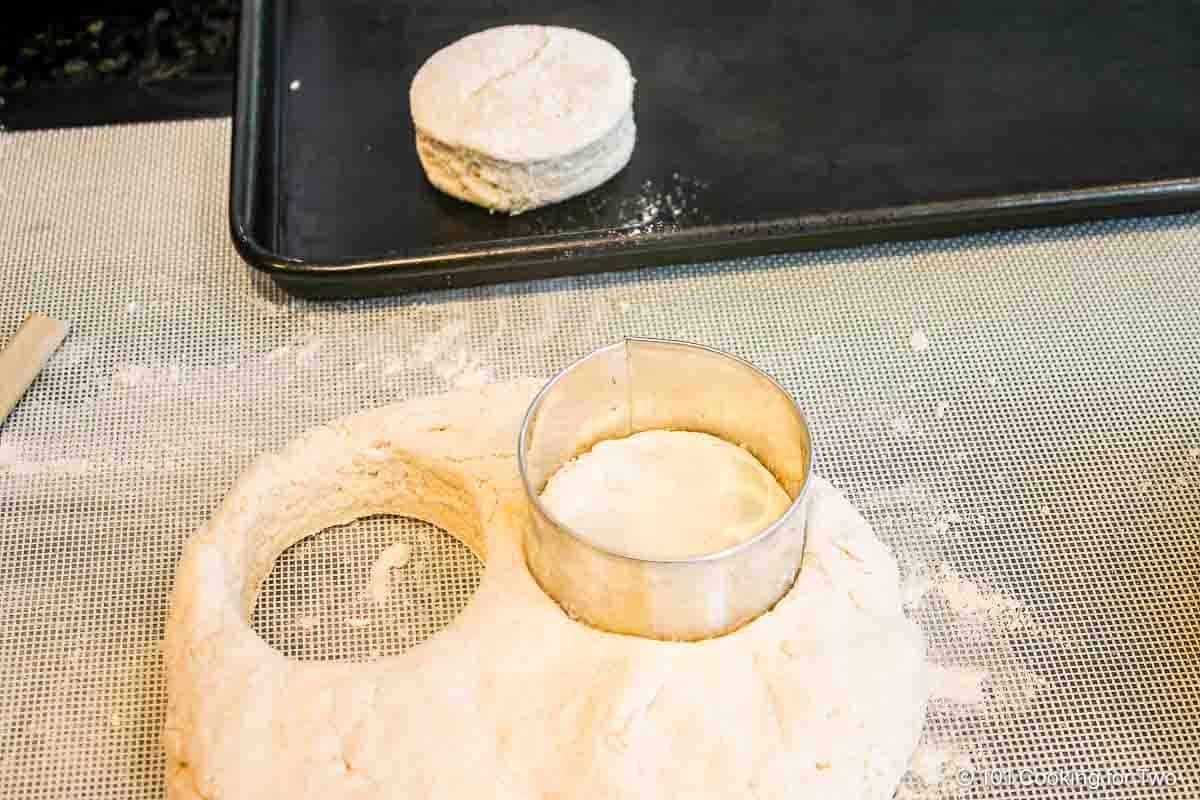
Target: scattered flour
131, 376
433, 347
76, 353
393, 365
462, 370
450, 359
933, 764
975, 635
933, 772
266, 306
10, 455
958, 684
965, 597
127, 376
661, 205
380, 586
279, 353
914, 589
306, 355
15, 462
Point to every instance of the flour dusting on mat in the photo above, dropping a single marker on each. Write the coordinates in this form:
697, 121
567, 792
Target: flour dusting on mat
934, 772
968, 599
380, 586
967, 623
451, 358
958, 684
10, 455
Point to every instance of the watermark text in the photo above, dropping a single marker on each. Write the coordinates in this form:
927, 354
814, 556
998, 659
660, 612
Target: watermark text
1085, 778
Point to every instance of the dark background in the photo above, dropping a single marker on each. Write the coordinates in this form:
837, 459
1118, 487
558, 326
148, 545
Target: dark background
748, 114
83, 63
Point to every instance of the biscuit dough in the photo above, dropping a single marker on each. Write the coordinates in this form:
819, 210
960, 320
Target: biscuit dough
822, 697
665, 495
520, 116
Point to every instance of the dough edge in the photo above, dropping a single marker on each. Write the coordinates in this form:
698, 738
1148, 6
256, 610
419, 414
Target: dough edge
515, 187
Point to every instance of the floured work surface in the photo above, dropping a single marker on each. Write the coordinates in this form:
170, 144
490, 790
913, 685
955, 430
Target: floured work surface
1017, 415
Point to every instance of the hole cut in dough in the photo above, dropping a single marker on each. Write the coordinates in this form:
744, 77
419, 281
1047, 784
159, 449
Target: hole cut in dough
368, 589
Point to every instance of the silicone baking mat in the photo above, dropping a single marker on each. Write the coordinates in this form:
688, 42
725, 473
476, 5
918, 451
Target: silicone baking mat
1018, 415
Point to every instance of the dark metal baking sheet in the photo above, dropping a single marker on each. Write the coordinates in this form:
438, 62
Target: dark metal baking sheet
762, 126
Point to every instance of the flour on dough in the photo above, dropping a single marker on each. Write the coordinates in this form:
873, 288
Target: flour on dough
520, 116
665, 495
821, 697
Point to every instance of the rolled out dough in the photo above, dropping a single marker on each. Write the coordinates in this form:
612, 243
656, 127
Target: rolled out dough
822, 697
520, 116
665, 494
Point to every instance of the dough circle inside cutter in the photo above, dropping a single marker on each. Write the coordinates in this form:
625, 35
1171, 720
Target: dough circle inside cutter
664, 494
514, 699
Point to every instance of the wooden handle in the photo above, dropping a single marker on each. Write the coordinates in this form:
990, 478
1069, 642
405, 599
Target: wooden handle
27, 352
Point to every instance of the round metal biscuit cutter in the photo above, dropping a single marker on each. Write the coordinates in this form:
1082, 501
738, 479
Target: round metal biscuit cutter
647, 384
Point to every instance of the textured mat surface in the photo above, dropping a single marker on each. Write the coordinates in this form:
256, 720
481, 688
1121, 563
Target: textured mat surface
1018, 414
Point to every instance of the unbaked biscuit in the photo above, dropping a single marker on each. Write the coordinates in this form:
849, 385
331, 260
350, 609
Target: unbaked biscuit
521, 116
